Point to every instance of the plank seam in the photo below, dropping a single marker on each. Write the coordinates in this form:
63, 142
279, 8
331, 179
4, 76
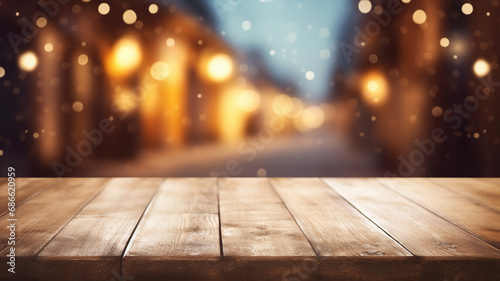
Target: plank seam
438, 215
134, 231
348, 202
295, 220
33, 195
463, 196
221, 246
73, 216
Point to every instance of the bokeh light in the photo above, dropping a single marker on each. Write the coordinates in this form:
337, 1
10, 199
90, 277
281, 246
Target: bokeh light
125, 57
249, 100
481, 68
374, 88
28, 61
129, 17
220, 67
160, 70
365, 6
419, 17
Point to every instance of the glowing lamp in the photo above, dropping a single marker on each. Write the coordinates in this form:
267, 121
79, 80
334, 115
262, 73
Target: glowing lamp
124, 58
374, 88
220, 67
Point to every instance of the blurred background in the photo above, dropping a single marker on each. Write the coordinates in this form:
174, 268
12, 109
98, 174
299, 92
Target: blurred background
250, 88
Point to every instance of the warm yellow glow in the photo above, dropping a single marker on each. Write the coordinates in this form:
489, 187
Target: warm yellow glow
467, 9
103, 8
481, 67
28, 61
374, 88
231, 119
445, 42
406, 1
313, 117
125, 101
129, 17
249, 100
364, 6
2, 72
282, 104
297, 108
159, 70
419, 17
220, 67
125, 56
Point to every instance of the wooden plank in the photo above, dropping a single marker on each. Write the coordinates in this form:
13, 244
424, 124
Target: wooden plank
420, 231
459, 210
25, 188
91, 245
182, 222
483, 192
333, 227
495, 181
179, 234
42, 217
255, 222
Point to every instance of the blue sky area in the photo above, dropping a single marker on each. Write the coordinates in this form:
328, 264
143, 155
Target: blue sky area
293, 36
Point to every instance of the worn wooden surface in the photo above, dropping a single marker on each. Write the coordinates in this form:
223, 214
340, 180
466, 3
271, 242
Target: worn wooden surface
24, 189
254, 229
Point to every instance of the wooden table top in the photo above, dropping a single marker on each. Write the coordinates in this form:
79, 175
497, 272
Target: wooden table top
254, 229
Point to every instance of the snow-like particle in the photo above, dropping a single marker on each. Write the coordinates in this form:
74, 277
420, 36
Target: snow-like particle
364, 6
153, 8
444, 42
170, 42
83, 59
246, 25
129, 17
324, 32
309, 75
419, 17
103, 8
467, 9
261, 172
325, 54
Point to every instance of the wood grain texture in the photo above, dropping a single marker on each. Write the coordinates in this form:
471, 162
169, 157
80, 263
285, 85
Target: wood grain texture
420, 231
495, 181
255, 223
95, 229
178, 237
181, 223
99, 233
457, 209
482, 192
333, 227
25, 188
42, 217
103, 226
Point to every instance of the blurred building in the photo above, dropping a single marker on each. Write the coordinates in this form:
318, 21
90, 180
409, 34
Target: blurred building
411, 70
